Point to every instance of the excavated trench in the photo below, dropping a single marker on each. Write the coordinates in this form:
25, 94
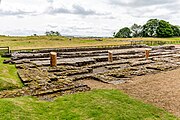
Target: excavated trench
75, 65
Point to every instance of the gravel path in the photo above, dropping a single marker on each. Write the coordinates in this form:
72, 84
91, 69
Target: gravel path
162, 89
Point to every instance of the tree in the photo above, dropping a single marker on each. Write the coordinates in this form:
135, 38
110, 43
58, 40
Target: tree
57, 33
136, 30
176, 30
34, 34
114, 34
52, 33
123, 33
150, 28
164, 29
47, 33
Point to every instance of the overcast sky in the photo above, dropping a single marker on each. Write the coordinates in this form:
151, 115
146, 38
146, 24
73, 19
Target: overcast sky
82, 17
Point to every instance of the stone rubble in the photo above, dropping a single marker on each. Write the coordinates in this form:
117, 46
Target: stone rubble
76, 64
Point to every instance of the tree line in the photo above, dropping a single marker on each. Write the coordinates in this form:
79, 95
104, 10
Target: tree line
152, 28
52, 33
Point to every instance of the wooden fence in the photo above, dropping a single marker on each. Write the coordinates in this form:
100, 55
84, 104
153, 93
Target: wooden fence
5, 49
152, 43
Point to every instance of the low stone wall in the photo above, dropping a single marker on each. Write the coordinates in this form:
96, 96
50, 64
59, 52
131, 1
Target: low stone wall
47, 82
42, 84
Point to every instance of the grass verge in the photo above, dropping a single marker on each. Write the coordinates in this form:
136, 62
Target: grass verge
93, 105
8, 76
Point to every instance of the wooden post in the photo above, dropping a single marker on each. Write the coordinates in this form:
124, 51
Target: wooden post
147, 53
53, 59
9, 50
110, 56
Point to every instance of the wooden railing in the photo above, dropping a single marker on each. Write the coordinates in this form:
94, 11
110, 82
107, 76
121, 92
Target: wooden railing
5, 49
152, 43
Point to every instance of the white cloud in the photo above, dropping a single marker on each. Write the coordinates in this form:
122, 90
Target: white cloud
82, 17
50, 1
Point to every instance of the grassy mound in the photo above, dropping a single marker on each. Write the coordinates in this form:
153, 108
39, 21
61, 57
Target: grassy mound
96, 104
8, 76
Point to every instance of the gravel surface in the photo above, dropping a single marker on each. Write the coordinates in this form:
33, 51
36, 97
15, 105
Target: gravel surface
161, 90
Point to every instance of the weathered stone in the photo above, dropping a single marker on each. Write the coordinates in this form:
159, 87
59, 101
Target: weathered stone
7, 61
164, 47
141, 62
74, 64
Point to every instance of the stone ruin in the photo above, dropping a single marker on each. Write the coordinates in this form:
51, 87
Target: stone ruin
76, 64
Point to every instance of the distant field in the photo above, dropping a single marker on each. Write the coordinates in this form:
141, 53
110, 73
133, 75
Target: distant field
17, 43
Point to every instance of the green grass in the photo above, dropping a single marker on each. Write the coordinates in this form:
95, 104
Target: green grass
30, 42
8, 76
17, 43
93, 105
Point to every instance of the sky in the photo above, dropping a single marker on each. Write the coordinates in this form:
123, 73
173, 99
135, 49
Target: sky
82, 17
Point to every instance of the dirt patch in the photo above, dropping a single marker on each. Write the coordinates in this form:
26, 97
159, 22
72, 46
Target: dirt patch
162, 89
93, 84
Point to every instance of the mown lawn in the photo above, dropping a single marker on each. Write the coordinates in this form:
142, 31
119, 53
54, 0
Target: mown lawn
34, 42
8, 76
93, 105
